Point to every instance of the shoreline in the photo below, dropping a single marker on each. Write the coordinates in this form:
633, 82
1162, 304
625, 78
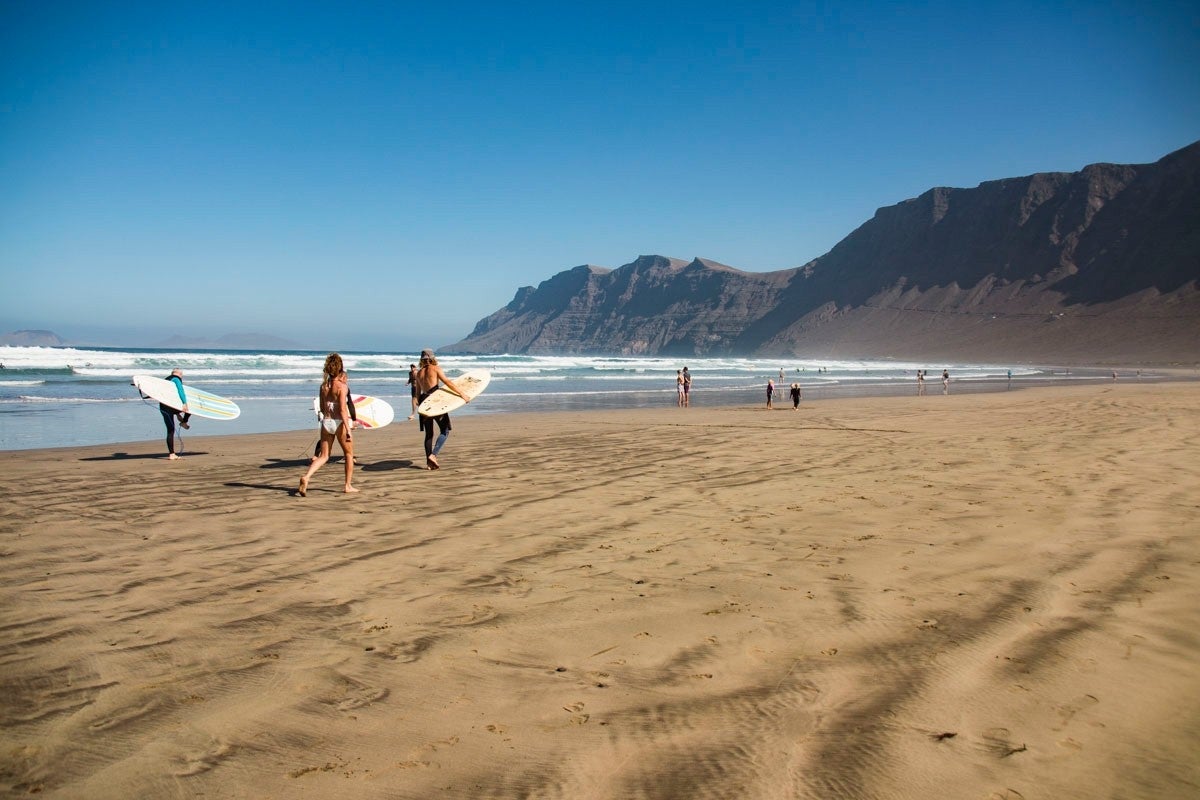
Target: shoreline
269, 416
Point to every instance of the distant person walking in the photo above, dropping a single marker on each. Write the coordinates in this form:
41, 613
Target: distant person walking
169, 414
920, 383
412, 388
795, 396
428, 376
679, 388
335, 423
945, 381
770, 392
687, 388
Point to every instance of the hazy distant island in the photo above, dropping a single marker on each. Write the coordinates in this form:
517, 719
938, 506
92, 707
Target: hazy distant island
31, 338
1095, 266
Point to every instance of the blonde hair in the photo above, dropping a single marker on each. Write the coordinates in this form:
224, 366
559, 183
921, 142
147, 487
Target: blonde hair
333, 367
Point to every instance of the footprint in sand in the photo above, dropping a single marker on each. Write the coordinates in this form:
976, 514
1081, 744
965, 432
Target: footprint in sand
196, 763
1068, 710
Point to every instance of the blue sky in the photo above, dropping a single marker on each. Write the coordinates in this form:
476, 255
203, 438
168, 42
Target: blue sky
383, 175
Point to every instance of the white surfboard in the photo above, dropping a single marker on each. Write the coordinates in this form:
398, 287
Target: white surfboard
200, 403
443, 401
371, 412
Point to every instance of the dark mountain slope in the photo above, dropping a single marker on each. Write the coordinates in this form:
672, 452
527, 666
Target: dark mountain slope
1104, 261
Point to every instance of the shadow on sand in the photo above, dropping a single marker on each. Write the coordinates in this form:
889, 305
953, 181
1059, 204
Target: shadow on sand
263, 486
386, 466
131, 456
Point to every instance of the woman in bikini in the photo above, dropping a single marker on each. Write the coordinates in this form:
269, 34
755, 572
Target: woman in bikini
335, 423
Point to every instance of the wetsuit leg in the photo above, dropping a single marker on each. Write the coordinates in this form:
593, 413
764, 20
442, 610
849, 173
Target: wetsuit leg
443, 432
168, 416
427, 426
443, 423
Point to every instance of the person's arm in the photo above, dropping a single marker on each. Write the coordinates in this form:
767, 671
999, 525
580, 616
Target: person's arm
343, 396
182, 396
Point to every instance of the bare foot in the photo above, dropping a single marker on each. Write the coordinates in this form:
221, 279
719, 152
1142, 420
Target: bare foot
172, 457
303, 489
431, 462
410, 416
349, 490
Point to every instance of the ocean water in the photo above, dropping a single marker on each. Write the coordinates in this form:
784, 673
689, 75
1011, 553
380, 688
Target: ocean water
62, 397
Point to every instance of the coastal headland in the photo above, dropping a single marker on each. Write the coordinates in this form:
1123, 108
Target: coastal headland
976, 596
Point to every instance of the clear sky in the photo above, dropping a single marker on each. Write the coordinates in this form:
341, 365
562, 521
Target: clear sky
383, 175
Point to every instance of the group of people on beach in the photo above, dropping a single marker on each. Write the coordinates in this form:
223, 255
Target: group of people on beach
794, 391
945, 381
337, 419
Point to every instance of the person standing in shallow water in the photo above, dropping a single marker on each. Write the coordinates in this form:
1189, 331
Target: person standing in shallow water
770, 392
687, 388
679, 387
335, 423
427, 378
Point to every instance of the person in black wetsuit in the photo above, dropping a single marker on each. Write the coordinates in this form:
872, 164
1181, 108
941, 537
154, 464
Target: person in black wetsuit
427, 378
169, 414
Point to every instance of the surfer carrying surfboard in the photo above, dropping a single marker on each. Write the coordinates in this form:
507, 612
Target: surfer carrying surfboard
335, 423
426, 380
169, 414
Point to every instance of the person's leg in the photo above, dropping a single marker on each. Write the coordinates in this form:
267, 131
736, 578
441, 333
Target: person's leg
443, 432
169, 421
324, 447
427, 427
347, 444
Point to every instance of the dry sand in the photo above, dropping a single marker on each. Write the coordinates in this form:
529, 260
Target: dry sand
976, 596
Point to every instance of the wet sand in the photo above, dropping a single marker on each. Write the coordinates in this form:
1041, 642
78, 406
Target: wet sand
973, 596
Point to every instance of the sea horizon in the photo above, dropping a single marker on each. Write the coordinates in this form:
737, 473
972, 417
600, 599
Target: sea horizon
74, 396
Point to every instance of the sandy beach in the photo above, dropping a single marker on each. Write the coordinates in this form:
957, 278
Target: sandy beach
972, 596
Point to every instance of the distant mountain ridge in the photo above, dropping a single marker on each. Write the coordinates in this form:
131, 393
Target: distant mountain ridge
1100, 264
32, 338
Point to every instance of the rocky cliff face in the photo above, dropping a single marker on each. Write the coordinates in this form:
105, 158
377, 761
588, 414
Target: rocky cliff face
1101, 263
